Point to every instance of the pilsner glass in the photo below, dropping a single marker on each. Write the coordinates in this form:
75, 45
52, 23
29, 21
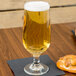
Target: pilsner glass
36, 34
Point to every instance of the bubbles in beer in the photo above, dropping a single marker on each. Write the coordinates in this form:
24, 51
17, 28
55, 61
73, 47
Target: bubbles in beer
36, 33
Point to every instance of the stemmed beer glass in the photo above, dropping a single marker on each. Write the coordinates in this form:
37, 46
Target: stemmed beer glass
36, 34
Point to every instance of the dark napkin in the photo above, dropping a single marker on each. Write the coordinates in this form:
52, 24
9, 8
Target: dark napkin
18, 65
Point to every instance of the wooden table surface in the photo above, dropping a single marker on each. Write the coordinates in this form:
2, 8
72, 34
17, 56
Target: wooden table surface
11, 46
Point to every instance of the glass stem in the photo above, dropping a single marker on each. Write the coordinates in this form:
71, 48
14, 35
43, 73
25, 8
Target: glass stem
36, 66
36, 60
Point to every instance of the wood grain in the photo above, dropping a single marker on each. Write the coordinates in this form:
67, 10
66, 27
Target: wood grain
62, 2
11, 19
19, 4
11, 46
63, 15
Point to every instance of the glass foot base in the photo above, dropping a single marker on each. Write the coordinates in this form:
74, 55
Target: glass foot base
36, 69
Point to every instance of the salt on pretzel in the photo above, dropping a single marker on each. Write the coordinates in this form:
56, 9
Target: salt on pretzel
67, 63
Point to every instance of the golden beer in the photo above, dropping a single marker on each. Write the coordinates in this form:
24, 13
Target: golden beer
36, 31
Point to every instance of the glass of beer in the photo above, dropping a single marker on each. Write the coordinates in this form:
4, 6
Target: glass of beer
36, 34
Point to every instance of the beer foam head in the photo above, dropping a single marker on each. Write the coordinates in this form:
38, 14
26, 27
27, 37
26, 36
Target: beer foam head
36, 6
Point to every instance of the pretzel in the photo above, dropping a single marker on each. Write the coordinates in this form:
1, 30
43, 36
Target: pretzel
67, 63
